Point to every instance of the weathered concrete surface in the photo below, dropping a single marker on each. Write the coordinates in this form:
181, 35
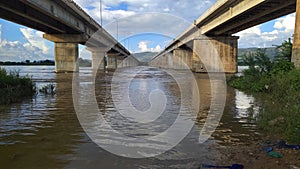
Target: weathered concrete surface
216, 54
61, 38
112, 62
206, 50
98, 58
296, 44
182, 58
66, 55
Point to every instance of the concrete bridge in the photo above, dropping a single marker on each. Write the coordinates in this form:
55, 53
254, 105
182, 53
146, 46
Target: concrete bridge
218, 24
67, 25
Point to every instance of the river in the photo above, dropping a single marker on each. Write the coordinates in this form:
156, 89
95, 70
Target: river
44, 131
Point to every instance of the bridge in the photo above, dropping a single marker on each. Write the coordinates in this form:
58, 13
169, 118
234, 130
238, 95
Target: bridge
218, 24
67, 25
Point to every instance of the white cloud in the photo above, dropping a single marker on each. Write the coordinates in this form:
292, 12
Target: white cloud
283, 29
143, 46
134, 19
18, 51
35, 38
286, 23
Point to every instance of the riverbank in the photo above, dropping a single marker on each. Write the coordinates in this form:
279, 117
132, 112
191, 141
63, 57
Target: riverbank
252, 156
279, 94
14, 88
277, 82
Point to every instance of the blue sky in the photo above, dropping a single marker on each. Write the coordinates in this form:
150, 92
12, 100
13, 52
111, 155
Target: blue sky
138, 29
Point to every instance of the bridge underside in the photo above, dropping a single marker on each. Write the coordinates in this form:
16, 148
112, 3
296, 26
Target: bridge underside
233, 20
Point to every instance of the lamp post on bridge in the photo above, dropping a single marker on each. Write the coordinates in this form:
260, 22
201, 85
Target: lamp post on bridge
117, 28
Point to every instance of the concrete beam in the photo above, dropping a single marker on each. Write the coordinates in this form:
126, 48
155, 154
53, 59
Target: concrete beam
69, 38
231, 13
275, 8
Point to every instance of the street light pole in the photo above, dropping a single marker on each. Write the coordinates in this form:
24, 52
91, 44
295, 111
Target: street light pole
117, 28
101, 12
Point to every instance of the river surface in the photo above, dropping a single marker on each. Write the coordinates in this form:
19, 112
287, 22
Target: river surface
44, 131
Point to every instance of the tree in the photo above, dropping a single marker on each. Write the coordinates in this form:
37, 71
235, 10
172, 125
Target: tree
263, 61
284, 51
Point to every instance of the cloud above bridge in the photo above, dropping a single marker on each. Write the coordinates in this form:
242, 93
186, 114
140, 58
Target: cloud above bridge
113, 10
143, 46
21, 51
125, 18
282, 29
35, 39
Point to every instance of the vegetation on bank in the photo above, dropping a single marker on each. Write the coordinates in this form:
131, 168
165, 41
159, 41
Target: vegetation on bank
29, 63
14, 88
278, 82
81, 62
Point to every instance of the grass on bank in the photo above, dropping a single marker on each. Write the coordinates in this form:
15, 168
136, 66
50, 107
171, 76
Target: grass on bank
14, 88
279, 83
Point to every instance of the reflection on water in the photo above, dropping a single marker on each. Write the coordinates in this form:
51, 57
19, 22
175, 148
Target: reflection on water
44, 132
245, 107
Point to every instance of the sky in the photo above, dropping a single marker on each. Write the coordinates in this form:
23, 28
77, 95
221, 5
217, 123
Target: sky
140, 25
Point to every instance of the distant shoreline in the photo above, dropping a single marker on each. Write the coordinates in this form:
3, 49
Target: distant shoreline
81, 62
28, 63
25, 65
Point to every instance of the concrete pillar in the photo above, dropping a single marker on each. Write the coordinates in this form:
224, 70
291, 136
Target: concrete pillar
112, 62
120, 62
66, 50
183, 58
208, 48
170, 60
296, 44
98, 57
66, 55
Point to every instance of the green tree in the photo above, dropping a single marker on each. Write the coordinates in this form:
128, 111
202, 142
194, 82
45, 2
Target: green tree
263, 61
284, 51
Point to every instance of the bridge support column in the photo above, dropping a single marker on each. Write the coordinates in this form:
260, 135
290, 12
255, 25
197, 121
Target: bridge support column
183, 58
66, 51
98, 58
170, 63
132, 61
66, 55
112, 62
225, 47
296, 44
120, 62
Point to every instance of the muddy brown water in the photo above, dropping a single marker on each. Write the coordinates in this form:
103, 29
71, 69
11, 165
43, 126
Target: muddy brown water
44, 132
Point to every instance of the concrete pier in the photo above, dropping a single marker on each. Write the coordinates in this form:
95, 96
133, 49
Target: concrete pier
207, 49
66, 55
98, 58
296, 44
183, 58
112, 62
65, 51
